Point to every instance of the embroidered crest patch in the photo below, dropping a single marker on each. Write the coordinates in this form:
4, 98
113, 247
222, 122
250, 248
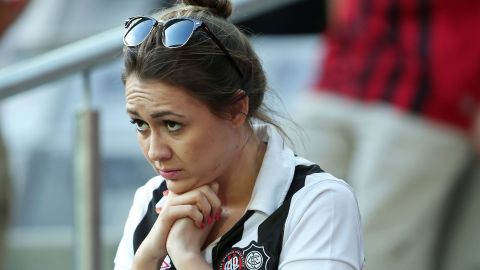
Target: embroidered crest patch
233, 260
253, 257
256, 257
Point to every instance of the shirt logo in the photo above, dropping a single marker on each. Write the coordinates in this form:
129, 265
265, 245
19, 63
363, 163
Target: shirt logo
256, 257
254, 260
233, 260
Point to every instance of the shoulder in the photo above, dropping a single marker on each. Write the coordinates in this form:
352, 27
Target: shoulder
321, 193
323, 224
316, 179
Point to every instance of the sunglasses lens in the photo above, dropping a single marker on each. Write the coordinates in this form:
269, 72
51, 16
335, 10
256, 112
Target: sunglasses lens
138, 31
177, 33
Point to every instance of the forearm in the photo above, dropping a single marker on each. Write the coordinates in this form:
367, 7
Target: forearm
143, 263
146, 260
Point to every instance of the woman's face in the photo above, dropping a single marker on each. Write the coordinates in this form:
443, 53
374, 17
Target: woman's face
185, 143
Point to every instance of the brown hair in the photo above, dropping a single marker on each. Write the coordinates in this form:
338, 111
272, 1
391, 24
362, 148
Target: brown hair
200, 66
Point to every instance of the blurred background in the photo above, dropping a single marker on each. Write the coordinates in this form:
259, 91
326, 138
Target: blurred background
41, 134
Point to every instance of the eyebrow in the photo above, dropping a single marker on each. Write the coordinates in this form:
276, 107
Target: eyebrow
165, 113
156, 114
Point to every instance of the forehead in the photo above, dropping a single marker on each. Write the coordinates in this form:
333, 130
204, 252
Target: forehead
147, 93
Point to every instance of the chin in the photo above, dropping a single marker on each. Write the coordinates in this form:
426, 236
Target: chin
180, 186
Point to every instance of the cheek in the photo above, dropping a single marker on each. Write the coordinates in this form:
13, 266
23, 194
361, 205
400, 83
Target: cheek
144, 145
209, 155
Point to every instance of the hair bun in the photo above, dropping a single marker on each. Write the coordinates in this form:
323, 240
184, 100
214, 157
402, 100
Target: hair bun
221, 8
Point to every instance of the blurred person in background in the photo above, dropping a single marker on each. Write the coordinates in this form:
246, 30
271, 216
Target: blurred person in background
9, 11
393, 112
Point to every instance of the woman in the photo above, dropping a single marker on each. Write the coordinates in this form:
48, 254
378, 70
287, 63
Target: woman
230, 194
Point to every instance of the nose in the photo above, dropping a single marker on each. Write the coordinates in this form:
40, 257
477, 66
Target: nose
158, 149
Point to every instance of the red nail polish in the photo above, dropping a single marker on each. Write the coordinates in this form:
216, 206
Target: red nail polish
202, 226
209, 220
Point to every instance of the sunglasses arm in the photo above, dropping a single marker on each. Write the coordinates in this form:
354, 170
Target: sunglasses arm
219, 44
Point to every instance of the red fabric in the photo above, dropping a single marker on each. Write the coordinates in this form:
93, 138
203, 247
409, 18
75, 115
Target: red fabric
9, 11
421, 56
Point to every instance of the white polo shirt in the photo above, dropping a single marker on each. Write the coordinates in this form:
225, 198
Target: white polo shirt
299, 217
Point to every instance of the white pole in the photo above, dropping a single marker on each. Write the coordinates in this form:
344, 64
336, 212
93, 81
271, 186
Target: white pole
87, 185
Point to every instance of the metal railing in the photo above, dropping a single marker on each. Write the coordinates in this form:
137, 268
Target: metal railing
82, 57
98, 49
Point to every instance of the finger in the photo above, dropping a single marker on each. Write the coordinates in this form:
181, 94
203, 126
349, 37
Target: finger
174, 213
194, 197
213, 199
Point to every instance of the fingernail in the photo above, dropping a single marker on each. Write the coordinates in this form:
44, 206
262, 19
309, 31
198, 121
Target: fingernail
158, 210
202, 226
209, 221
165, 193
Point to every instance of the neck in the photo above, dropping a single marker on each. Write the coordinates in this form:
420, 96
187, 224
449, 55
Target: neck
236, 187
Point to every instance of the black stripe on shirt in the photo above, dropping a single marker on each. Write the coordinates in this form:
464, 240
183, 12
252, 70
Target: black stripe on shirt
382, 42
394, 39
373, 55
143, 228
229, 239
418, 104
270, 232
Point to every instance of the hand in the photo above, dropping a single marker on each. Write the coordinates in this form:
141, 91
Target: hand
185, 239
199, 206
185, 242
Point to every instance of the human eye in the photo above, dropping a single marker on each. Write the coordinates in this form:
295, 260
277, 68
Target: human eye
172, 126
139, 124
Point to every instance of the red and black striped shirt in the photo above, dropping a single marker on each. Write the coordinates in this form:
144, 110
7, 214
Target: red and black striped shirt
421, 56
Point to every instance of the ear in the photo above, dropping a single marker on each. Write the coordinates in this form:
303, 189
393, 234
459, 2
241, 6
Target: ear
239, 109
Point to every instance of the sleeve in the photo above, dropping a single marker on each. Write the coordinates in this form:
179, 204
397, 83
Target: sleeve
323, 229
124, 257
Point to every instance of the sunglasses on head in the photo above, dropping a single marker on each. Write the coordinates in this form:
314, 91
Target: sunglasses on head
176, 33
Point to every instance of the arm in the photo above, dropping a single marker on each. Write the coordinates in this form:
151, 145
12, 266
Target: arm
323, 229
184, 245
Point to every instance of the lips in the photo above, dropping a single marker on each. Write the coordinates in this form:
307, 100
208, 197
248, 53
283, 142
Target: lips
169, 173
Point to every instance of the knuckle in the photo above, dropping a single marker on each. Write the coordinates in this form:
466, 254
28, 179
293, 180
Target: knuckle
197, 194
191, 209
207, 208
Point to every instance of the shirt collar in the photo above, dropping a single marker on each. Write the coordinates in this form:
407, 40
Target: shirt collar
276, 173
